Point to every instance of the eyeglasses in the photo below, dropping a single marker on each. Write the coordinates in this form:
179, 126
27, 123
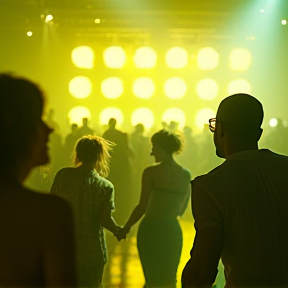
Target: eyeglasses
212, 124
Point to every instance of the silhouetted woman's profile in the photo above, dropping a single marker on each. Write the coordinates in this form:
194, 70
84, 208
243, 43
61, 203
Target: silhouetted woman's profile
37, 236
164, 196
92, 200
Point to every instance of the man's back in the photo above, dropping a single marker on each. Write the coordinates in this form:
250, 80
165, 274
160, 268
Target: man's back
247, 197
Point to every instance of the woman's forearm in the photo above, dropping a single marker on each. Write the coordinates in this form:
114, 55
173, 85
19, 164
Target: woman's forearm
136, 215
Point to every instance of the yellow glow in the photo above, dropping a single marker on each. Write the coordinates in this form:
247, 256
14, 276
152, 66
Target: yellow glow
240, 59
176, 115
114, 57
29, 33
143, 88
112, 87
175, 88
203, 116
48, 18
144, 116
145, 58
273, 122
97, 21
207, 89
239, 86
207, 58
76, 114
80, 87
176, 58
83, 57
111, 112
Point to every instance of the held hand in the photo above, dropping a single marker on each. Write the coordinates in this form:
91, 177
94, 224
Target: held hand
122, 233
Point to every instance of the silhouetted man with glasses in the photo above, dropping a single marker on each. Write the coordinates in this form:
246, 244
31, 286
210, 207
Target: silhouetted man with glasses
240, 207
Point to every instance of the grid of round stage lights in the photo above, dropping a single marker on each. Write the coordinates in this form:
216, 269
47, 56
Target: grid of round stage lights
144, 116
112, 87
174, 114
207, 58
176, 58
111, 112
114, 57
80, 87
83, 57
76, 114
145, 58
175, 88
143, 88
207, 89
239, 86
240, 59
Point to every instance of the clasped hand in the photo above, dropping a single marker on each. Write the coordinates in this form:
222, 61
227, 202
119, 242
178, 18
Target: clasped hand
122, 233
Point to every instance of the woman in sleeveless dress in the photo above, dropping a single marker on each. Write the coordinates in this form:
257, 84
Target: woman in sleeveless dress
164, 196
92, 199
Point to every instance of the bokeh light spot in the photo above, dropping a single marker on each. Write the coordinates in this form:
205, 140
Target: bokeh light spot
176, 115
76, 114
207, 58
207, 89
83, 57
111, 112
112, 87
176, 58
144, 116
240, 59
239, 86
203, 116
175, 88
80, 87
114, 57
145, 58
143, 88
273, 122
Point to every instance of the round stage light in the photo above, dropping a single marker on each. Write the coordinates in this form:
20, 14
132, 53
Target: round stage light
176, 115
29, 33
80, 87
175, 88
76, 114
239, 86
207, 89
97, 21
284, 22
111, 112
144, 116
143, 88
114, 57
145, 58
112, 87
203, 116
83, 57
207, 58
48, 18
176, 58
273, 122
240, 59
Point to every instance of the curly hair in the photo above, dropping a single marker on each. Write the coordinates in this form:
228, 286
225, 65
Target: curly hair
93, 150
168, 141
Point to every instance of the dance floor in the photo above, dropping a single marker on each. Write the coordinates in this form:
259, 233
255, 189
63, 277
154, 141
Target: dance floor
124, 270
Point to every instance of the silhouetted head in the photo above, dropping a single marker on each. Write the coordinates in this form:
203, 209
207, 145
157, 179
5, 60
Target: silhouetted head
139, 128
84, 121
94, 151
24, 135
112, 123
74, 127
239, 118
166, 142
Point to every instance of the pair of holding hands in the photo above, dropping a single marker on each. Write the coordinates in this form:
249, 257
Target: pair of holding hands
121, 233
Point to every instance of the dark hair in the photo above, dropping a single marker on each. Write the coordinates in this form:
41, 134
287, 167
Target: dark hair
93, 150
168, 141
20, 112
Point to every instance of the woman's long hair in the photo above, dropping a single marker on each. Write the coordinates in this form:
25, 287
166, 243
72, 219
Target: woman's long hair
93, 150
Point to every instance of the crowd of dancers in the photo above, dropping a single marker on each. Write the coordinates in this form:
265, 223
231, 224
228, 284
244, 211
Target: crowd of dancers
57, 239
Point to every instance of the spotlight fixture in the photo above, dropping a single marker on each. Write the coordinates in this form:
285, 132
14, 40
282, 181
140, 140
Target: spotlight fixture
284, 22
48, 18
29, 33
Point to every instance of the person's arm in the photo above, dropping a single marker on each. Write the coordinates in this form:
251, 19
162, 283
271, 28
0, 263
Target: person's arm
59, 245
187, 196
140, 209
201, 269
